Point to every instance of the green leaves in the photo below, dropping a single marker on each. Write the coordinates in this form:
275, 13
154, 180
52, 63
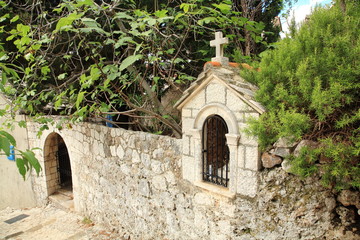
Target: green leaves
6, 140
223, 7
27, 159
27, 162
64, 24
110, 56
79, 99
129, 61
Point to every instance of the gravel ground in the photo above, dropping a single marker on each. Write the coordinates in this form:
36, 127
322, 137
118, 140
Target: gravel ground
50, 223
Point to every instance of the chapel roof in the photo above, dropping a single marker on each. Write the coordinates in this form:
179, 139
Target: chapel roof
229, 75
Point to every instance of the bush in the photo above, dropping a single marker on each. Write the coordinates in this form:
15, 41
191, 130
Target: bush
310, 86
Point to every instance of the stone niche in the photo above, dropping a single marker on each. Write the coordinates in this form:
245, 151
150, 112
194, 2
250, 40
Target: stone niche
219, 90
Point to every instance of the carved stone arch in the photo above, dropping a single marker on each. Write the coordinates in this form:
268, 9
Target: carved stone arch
57, 164
232, 139
217, 109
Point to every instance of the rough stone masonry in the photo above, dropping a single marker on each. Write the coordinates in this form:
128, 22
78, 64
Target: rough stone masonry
132, 182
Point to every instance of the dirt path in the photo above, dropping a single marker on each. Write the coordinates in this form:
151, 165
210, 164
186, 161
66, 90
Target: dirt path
50, 223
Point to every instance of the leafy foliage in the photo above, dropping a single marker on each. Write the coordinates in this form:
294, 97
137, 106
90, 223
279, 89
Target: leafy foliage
90, 59
310, 86
26, 159
86, 58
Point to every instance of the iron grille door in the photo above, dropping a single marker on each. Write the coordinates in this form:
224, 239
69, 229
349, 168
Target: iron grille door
215, 151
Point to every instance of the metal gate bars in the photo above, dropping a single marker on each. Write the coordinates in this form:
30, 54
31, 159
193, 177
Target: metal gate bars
215, 152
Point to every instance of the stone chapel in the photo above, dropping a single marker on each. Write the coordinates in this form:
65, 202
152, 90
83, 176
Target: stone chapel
217, 155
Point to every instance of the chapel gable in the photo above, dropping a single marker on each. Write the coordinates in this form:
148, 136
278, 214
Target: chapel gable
217, 155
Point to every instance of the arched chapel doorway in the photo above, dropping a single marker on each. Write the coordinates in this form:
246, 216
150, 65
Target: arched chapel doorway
57, 164
215, 159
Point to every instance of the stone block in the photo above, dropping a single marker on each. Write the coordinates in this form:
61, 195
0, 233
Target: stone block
247, 182
281, 151
195, 112
228, 209
197, 102
170, 177
269, 160
348, 198
159, 182
156, 167
187, 124
186, 144
113, 151
215, 92
135, 157
245, 139
202, 224
100, 150
216, 236
158, 153
252, 158
186, 112
96, 135
203, 199
241, 156
144, 188
285, 143
125, 169
131, 141
188, 170
79, 136
234, 102
239, 117
145, 159
305, 143
286, 166
120, 152
224, 226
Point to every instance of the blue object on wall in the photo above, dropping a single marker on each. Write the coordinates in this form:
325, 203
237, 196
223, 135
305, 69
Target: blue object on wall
12, 154
108, 124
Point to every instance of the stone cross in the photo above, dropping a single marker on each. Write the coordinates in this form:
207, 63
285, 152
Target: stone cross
218, 43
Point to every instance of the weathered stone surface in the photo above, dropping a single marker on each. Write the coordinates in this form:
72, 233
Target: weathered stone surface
281, 151
150, 199
285, 143
348, 198
269, 160
330, 203
347, 216
286, 166
144, 188
252, 158
303, 143
203, 199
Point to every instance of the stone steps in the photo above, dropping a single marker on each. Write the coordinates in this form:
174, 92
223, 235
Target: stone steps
63, 199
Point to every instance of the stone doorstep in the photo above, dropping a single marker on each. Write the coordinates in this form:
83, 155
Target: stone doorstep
66, 192
63, 199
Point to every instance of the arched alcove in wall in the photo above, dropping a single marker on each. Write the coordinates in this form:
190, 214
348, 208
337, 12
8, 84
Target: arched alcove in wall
57, 164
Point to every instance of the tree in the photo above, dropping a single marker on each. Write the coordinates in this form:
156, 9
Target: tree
265, 11
111, 60
85, 58
310, 86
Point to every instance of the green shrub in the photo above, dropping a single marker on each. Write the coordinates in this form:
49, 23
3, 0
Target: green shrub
310, 86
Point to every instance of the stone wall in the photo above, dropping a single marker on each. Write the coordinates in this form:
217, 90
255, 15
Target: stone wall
132, 182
